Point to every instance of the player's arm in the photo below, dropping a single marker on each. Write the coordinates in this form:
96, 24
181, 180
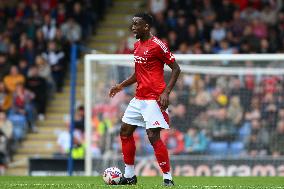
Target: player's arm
118, 87
164, 98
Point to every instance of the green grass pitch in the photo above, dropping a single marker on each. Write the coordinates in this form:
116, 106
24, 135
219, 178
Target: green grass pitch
143, 183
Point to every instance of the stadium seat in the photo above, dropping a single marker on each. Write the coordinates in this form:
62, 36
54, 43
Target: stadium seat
236, 148
218, 148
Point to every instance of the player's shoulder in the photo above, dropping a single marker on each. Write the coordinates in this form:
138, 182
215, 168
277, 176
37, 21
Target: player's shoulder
158, 43
137, 43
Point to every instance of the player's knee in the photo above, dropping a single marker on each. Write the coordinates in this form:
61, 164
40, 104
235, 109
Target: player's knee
153, 136
126, 131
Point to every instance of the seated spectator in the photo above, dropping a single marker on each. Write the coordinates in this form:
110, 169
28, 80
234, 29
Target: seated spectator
235, 111
38, 86
80, 119
23, 67
195, 141
3, 152
179, 119
259, 136
5, 98
4, 66
173, 139
44, 71
13, 55
6, 126
48, 28
71, 30
22, 105
13, 79
222, 126
277, 140
54, 59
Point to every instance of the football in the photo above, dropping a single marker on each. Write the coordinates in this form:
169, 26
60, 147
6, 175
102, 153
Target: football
112, 175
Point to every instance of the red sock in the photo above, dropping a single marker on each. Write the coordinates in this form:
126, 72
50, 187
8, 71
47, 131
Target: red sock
162, 155
128, 149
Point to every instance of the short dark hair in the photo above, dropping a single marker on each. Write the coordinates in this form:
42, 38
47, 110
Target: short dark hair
146, 17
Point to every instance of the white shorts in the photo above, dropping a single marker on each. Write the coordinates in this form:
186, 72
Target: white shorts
146, 113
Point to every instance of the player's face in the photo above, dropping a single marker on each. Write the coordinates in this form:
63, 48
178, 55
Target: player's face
139, 27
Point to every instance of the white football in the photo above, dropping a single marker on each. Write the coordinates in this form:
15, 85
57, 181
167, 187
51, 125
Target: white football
112, 175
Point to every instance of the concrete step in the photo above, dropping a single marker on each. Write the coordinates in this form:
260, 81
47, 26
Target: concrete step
19, 157
114, 40
17, 171
42, 150
39, 144
58, 109
115, 24
41, 136
118, 17
51, 122
51, 128
55, 116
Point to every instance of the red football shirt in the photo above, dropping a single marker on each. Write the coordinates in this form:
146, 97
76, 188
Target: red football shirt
150, 57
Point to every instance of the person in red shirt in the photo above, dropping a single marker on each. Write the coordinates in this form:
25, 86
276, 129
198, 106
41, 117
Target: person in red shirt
149, 107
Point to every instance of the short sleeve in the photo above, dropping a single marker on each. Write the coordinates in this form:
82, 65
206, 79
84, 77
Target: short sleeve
164, 53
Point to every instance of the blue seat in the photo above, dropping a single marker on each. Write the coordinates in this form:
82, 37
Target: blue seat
19, 125
218, 148
236, 148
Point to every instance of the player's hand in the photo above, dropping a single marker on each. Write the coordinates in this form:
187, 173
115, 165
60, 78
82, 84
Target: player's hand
164, 100
115, 89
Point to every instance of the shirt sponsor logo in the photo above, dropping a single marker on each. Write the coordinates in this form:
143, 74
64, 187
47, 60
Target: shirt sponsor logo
140, 60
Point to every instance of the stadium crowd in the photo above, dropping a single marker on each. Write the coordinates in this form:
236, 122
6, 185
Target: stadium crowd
210, 114
35, 39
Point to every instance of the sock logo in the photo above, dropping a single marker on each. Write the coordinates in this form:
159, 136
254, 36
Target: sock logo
163, 163
156, 123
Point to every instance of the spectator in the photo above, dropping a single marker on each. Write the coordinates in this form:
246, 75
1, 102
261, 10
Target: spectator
179, 118
22, 105
80, 119
44, 71
218, 33
71, 30
54, 58
222, 126
257, 143
195, 141
173, 139
48, 28
5, 98
235, 111
38, 86
6, 126
277, 140
4, 66
13, 79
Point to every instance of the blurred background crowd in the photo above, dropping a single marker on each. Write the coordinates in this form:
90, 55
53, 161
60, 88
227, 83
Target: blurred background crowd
211, 114
35, 39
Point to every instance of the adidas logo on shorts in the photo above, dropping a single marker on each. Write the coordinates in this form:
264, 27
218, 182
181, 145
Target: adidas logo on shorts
156, 123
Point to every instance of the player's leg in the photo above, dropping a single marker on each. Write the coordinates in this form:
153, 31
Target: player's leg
128, 148
131, 119
154, 124
161, 154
